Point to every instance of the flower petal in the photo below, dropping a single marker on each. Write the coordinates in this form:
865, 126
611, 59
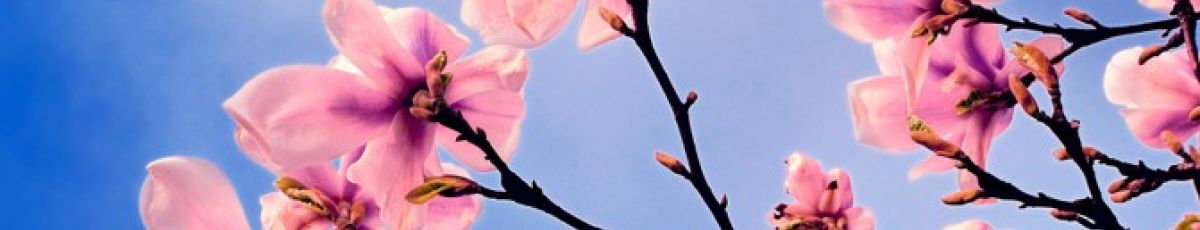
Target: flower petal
453, 212
392, 165
299, 115
879, 113
358, 31
972, 224
843, 196
499, 114
1163, 6
423, 35
805, 182
500, 68
282, 213
522, 23
859, 218
1147, 124
1163, 82
189, 193
594, 31
873, 20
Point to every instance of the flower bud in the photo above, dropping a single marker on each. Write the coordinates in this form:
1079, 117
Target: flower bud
1063, 214
312, 199
1155, 50
1036, 61
962, 197
955, 7
691, 98
1171, 141
1121, 196
1088, 152
1080, 16
922, 134
1021, 94
445, 185
435, 79
1194, 115
612, 19
671, 163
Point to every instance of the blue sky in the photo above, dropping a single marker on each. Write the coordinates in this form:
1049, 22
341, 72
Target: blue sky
93, 90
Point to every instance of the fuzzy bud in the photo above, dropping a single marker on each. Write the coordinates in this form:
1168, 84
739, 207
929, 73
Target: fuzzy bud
1063, 214
691, 98
962, 197
1194, 115
1171, 141
955, 7
1021, 94
1036, 61
1080, 16
1155, 50
922, 134
671, 163
1088, 152
445, 185
612, 19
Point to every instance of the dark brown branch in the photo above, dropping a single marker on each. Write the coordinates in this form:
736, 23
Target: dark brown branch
994, 187
1152, 178
515, 188
641, 36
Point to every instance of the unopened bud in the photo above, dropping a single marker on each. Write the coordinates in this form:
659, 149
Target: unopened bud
612, 19
922, 134
955, 7
1080, 16
295, 190
1036, 61
1171, 141
1121, 196
1155, 50
445, 185
1194, 115
1064, 214
938, 24
1021, 94
1088, 152
671, 163
691, 98
962, 197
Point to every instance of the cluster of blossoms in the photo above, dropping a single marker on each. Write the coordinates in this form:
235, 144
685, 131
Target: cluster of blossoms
353, 142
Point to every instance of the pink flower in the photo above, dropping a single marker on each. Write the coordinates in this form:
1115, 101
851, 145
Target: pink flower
522, 23
931, 86
823, 200
191, 193
1165, 6
973, 224
530, 23
875, 20
295, 116
187, 193
1156, 96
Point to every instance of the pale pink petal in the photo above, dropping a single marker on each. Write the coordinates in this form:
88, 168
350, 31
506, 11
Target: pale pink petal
973, 224
392, 165
885, 56
500, 68
282, 213
932, 164
1147, 124
499, 114
423, 35
873, 20
359, 32
805, 182
453, 213
522, 23
320, 176
594, 31
1164, 82
301, 115
1163, 6
859, 218
188, 193
842, 197
978, 45
879, 113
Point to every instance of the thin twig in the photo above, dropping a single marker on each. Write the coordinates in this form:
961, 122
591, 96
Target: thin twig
515, 188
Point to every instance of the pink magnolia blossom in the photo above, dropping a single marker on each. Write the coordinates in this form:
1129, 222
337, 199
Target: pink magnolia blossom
930, 86
530, 23
191, 193
522, 23
876, 20
1156, 96
823, 199
973, 224
300, 115
187, 193
1164, 6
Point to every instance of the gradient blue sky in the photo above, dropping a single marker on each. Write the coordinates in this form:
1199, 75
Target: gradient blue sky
93, 90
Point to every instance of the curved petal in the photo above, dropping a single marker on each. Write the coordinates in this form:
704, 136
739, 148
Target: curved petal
1163, 6
594, 31
859, 218
495, 68
453, 212
931, 164
392, 165
301, 115
978, 45
358, 31
805, 182
188, 193
281, 213
423, 35
873, 20
1163, 82
522, 23
499, 114
972, 224
842, 197
319, 176
1147, 124
879, 113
